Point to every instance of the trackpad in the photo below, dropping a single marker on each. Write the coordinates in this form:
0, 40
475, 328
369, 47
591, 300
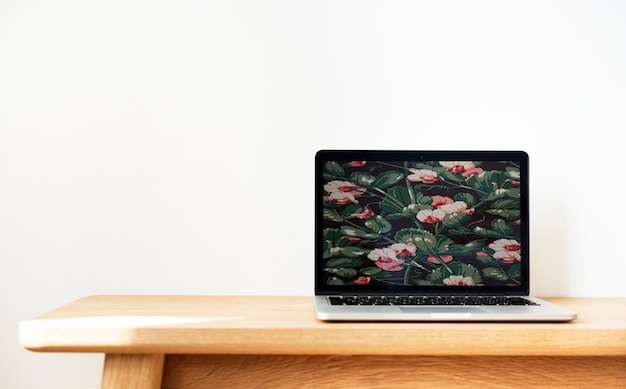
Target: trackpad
444, 311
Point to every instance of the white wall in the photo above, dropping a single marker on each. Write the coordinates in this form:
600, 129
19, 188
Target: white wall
167, 146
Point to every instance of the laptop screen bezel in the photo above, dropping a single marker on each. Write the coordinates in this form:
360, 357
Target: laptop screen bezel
323, 156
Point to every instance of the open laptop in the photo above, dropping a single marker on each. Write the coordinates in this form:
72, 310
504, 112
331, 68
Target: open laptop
424, 236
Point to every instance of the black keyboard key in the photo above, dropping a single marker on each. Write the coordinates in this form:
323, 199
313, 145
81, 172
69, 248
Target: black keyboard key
430, 300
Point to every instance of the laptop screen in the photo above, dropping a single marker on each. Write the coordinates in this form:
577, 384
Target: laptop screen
429, 221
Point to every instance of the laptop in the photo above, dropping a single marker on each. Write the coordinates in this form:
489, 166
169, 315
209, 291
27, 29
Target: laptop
424, 236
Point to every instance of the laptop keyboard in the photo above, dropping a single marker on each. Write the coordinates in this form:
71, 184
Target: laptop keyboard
430, 300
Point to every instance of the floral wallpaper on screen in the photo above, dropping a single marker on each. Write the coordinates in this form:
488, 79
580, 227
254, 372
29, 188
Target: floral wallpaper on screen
440, 223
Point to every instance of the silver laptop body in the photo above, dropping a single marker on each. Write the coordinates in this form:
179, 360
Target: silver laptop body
424, 236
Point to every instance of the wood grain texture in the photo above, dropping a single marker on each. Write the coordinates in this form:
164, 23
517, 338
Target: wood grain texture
258, 342
287, 325
137, 371
367, 371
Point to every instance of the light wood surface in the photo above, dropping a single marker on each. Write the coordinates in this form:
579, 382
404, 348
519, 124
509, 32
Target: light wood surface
133, 371
287, 325
379, 371
241, 341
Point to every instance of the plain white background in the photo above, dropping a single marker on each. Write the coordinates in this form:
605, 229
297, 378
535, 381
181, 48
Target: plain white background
166, 147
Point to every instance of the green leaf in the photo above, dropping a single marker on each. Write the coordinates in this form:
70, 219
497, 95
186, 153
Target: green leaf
350, 210
356, 232
335, 245
408, 235
465, 249
468, 271
500, 227
505, 208
424, 240
492, 184
342, 271
515, 270
344, 262
332, 239
454, 219
480, 231
423, 202
335, 281
396, 216
461, 230
438, 275
507, 214
506, 203
335, 169
351, 251
514, 193
387, 179
443, 243
397, 200
466, 198
494, 272
513, 173
375, 272
332, 215
449, 176
362, 179
481, 182
378, 224
487, 260
370, 271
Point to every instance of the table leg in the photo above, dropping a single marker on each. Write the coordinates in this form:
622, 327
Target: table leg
137, 371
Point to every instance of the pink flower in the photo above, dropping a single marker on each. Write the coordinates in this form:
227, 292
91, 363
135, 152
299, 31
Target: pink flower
389, 264
449, 206
365, 214
343, 192
446, 258
466, 168
506, 250
431, 215
515, 182
422, 175
362, 280
457, 166
403, 250
470, 172
385, 259
456, 280
457, 206
341, 198
507, 256
441, 200
353, 239
357, 163
506, 245
343, 187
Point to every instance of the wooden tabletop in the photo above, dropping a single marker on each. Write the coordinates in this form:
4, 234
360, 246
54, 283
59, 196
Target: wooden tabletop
287, 325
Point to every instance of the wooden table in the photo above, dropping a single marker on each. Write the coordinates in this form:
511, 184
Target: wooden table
248, 342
